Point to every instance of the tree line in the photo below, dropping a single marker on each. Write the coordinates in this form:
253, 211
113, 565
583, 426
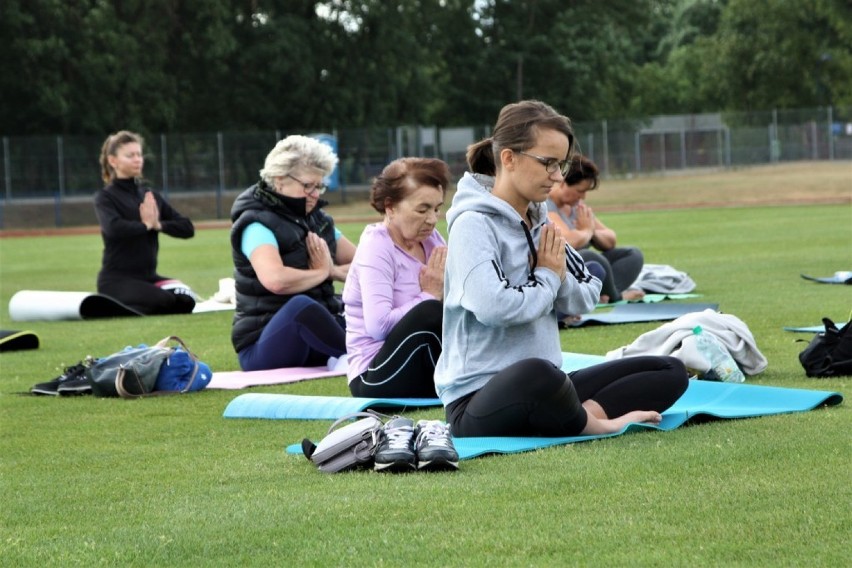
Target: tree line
94, 66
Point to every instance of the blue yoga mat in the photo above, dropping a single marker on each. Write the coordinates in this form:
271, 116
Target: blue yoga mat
701, 399
812, 328
301, 407
574, 361
639, 312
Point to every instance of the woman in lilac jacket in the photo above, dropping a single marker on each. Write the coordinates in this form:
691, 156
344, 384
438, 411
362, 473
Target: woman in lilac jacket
395, 286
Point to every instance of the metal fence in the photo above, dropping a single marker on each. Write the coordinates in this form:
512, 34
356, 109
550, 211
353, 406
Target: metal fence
61, 171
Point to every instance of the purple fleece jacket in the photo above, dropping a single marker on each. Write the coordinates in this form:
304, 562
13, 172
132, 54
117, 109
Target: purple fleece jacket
382, 285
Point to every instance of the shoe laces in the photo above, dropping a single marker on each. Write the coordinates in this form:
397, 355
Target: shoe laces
399, 438
435, 433
72, 372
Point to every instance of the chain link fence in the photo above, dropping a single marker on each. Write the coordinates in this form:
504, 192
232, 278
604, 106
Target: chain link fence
50, 181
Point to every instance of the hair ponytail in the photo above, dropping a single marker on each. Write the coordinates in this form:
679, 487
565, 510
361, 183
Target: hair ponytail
480, 157
111, 145
517, 128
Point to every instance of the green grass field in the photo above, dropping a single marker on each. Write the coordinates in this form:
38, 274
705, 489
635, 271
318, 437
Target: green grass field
167, 481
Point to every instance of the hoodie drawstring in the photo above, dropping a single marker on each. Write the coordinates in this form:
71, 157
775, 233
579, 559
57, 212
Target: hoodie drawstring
533, 253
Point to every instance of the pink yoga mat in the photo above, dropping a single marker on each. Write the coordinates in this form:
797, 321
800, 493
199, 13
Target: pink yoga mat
241, 379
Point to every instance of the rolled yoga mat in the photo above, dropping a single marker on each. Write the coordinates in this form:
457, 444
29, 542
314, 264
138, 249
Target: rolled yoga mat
11, 340
49, 305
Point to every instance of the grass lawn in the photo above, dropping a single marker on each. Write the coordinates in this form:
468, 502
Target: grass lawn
167, 481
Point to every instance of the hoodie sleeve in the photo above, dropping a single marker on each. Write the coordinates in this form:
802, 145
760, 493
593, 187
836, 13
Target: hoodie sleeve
499, 292
580, 291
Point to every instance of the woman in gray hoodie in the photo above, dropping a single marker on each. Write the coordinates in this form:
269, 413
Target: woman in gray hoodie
508, 272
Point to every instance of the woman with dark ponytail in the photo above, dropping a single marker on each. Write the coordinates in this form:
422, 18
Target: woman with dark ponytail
509, 272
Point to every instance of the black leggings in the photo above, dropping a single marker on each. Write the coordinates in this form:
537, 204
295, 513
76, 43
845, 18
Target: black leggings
622, 267
405, 365
145, 297
535, 398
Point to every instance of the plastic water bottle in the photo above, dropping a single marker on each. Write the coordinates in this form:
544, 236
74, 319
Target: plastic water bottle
722, 365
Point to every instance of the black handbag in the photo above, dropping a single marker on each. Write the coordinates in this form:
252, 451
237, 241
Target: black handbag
132, 372
829, 354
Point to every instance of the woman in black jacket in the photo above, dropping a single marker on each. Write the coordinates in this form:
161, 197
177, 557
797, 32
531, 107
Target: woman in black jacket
131, 217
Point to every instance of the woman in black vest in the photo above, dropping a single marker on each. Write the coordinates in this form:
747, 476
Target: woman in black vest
287, 254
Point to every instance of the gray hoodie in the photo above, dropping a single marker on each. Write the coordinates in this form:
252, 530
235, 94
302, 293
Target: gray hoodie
497, 311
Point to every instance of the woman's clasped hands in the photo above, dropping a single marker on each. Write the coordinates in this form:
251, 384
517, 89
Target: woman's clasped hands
432, 274
551, 250
320, 256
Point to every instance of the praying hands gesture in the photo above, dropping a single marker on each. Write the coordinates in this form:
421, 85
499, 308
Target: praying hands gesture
149, 213
319, 255
551, 250
432, 275
585, 220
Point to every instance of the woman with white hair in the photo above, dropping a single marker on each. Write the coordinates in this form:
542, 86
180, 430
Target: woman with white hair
287, 254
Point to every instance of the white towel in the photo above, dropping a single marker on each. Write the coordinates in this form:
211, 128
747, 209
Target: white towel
675, 338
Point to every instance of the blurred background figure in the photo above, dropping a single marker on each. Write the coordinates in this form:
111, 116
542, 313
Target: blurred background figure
567, 208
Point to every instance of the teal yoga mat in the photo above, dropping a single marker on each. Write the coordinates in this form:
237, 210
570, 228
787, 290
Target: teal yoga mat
640, 312
300, 407
651, 298
702, 399
812, 328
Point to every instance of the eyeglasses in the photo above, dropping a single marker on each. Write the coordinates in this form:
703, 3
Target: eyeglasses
550, 164
309, 188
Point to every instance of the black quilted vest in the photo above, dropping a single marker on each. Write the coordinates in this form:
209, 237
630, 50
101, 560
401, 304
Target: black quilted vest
286, 218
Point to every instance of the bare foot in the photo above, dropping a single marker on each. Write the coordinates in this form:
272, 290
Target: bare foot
595, 425
568, 320
604, 299
642, 417
635, 417
632, 294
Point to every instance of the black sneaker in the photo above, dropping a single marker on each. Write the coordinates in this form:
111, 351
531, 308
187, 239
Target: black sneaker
434, 447
395, 448
72, 374
81, 385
